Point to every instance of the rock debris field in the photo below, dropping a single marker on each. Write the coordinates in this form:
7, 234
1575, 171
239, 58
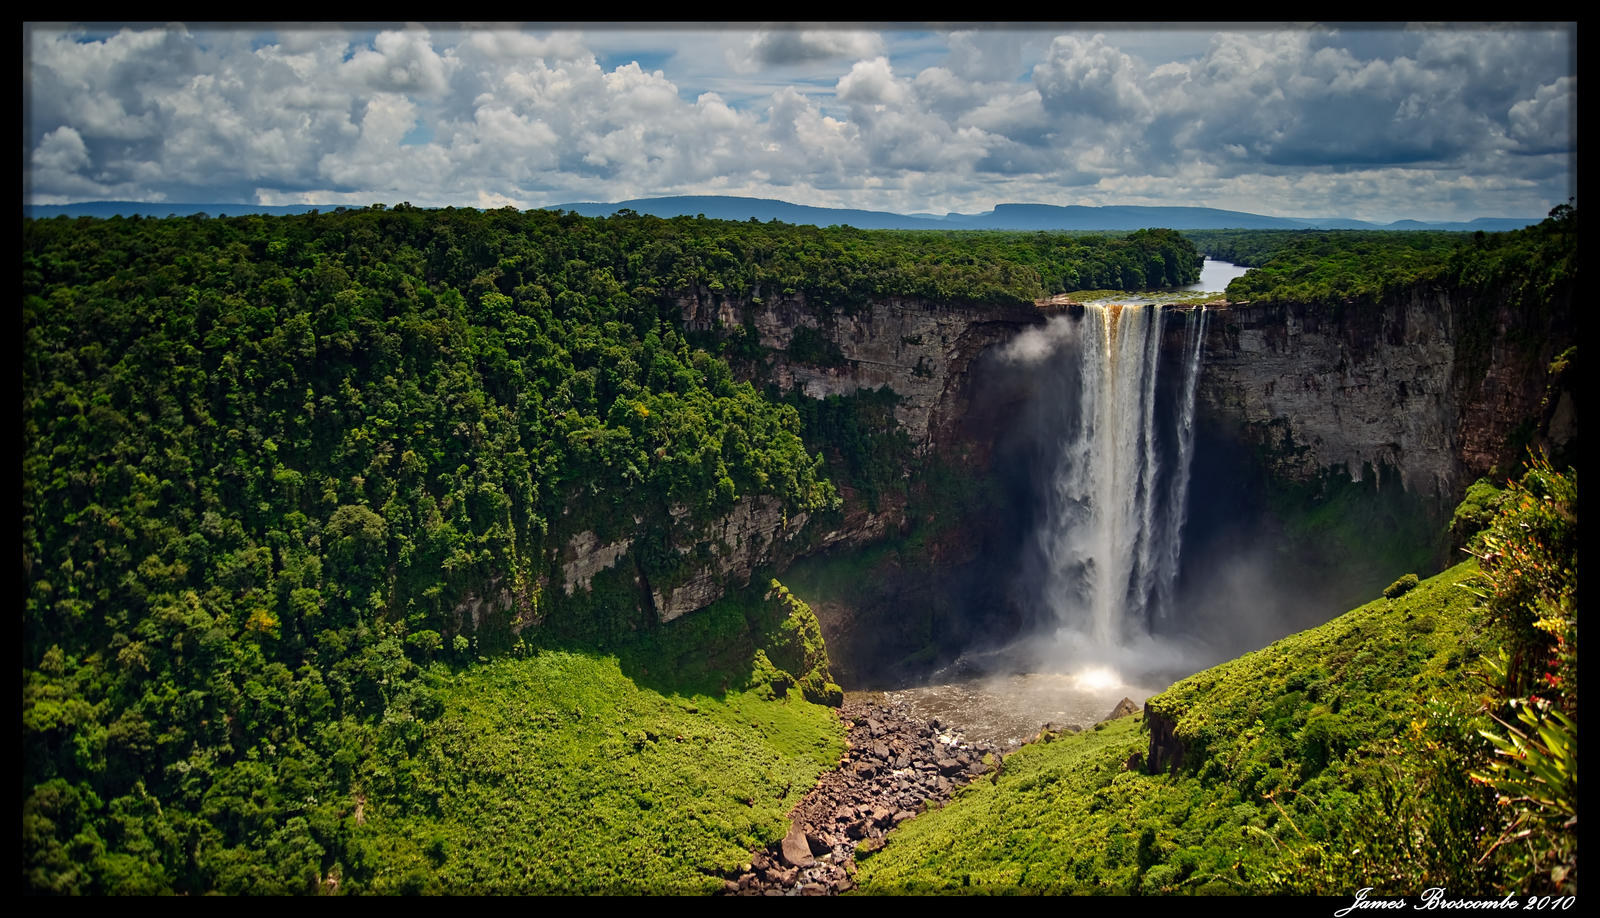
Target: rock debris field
898, 765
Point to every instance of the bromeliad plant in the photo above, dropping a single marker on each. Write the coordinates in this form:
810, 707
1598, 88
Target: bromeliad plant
1529, 557
1536, 772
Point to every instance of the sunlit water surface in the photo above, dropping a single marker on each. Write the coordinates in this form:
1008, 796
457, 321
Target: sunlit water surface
1216, 275
1214, 278
1003, 696
1008, 709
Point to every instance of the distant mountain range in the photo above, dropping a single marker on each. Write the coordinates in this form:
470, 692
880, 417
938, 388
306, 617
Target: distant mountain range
161, 209
723, 207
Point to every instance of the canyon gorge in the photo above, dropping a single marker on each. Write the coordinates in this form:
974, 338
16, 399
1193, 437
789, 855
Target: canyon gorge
1403, 401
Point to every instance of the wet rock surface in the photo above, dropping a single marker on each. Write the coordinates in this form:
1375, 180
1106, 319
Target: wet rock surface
898, 765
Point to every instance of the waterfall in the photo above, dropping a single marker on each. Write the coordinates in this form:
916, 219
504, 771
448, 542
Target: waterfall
1194, 340
1117, 470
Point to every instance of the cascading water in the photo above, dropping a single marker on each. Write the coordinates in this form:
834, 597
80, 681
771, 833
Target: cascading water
1106, 439
1114, 492
1194, 340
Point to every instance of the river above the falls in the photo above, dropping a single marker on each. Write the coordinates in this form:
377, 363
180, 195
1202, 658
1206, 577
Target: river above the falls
1215, 276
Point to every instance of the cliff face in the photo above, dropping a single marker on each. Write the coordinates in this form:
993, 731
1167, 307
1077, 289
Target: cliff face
1435, 384
1398, 385
1318, 388
922, 351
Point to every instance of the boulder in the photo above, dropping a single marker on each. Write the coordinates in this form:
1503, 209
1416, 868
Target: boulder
796, 850
1124, 708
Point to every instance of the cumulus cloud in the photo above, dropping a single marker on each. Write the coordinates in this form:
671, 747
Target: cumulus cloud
1301, 122
1547, 123
990, 56
398, 62
1090, 77
61, 151
784, 47
1296, 99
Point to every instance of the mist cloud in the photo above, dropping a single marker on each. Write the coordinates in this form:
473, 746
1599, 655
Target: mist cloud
1041, 342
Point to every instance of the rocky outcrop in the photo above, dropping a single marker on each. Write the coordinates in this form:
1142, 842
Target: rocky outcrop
1124, 708
515, 606
1166, 752
753, 534
476, 609
587, 557
716, 555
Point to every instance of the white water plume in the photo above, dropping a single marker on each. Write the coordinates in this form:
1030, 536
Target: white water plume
1117, 450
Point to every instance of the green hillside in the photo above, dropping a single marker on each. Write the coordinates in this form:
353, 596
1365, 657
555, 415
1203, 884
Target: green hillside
1358, 753
574, 772
1306, 721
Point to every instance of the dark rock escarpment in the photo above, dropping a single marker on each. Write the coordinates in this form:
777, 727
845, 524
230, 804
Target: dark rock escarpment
1166, 751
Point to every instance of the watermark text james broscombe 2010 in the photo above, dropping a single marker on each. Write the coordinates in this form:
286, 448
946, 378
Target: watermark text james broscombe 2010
1438, 898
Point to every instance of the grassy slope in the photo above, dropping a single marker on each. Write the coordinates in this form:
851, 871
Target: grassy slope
1308, 721
576, 771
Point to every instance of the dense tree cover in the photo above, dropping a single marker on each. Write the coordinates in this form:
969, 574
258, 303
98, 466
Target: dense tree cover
1309, 266
1255, 248
267, 458
264, 460
843, 267
864, 447
1340, 265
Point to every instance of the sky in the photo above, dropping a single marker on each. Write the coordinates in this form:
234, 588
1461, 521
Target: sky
1430, 122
